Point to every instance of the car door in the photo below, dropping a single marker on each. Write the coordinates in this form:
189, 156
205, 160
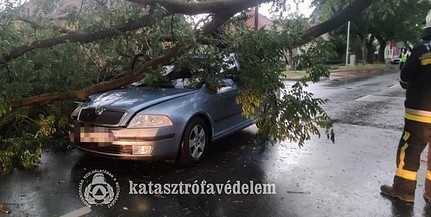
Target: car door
224, 111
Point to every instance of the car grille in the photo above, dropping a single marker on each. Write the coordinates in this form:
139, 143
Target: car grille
109, 117
111, 149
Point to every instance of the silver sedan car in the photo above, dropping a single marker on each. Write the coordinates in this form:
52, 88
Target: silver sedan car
144, 123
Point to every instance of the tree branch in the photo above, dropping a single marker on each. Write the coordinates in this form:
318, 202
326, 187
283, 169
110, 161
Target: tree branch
147, 20
119, 82
35, 25
352, 11
228, 9
221, 7
100, 87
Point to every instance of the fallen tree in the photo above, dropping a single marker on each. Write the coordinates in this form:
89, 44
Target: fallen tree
49, 58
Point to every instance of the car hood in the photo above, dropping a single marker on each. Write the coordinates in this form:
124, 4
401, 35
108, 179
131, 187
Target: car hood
135, 99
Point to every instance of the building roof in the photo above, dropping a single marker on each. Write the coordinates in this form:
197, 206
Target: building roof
263, 21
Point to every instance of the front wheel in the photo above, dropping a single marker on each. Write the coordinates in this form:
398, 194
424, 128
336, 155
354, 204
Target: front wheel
195, 142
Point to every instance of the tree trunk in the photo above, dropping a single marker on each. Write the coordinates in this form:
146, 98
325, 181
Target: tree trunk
370, 53
382, 43
353, 10
370, 49
364, 45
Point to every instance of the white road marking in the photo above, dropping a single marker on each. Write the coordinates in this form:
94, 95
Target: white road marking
79, 212
373, 98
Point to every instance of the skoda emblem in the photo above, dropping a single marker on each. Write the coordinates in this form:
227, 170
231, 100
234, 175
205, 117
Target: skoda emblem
99, 110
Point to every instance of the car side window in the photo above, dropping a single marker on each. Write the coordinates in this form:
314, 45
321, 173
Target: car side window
226, 84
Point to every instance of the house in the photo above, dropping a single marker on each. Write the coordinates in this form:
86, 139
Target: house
393, 49
263, 21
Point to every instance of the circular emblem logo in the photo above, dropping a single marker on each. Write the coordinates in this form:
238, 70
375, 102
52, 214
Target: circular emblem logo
99, 110
99, 188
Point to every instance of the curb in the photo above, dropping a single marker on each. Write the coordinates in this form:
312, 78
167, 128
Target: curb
346, 75
351, 74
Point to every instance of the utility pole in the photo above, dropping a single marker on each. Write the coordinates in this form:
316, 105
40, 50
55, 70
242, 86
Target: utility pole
348, 41
256, 18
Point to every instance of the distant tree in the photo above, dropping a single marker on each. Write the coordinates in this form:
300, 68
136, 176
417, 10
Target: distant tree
52, 54
393, 20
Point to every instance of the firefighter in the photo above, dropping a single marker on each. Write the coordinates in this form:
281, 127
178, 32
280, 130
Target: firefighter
403, 57
415, 77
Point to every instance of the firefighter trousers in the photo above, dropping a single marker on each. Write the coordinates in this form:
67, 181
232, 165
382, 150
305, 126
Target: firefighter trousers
415, 137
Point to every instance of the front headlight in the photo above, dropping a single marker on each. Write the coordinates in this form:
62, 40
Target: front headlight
142, 120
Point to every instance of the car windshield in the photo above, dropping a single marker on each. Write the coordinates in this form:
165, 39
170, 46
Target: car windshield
182, 76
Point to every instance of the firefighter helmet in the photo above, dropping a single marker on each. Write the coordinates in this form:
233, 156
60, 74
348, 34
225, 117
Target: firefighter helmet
428, 20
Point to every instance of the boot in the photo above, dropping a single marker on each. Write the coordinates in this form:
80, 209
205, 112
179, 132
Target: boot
389, 191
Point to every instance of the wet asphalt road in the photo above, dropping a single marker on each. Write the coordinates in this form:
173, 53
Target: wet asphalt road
319, 179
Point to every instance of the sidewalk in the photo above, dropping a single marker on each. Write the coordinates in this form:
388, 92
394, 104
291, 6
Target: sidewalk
361, 72
337, 74
352, 73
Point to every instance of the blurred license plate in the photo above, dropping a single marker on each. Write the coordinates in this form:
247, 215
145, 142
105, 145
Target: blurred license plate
96, 134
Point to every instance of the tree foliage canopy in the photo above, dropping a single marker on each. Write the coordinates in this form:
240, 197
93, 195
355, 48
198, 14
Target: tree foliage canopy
384, 20
53, 52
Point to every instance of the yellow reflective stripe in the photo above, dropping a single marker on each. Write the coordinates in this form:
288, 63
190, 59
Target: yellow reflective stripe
425, 56
418, 118
405, 174
425, 61
406, 136
428, 175
418, 112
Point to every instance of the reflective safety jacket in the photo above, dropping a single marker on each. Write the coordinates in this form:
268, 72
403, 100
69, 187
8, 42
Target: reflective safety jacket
403, 57
416, 78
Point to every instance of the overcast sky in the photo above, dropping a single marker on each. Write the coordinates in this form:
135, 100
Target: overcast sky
304, 8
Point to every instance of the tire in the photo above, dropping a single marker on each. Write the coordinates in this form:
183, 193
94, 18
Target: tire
195, 142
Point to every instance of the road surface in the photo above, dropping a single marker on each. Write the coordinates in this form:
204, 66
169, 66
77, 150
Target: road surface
319, 179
